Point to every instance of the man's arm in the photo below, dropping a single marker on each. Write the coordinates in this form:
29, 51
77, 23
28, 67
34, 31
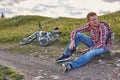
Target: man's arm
73, 34
85, 28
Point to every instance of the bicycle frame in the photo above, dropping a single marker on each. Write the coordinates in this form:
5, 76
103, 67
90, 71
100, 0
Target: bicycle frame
44, 38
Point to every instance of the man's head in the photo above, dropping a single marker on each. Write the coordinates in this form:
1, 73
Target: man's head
92, 19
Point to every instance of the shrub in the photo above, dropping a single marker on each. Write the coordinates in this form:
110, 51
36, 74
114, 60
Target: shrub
16, 76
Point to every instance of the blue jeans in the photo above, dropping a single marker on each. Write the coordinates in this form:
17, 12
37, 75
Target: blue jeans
85, 58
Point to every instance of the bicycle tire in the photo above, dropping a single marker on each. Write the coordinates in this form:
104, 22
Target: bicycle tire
28, 39
48, 41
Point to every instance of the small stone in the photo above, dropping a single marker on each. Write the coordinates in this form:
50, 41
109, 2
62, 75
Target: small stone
118, 61
108, 64
118, 65
55, 77
44, 74
45, 51
62, 49
101, 61
40, 71
38, 78
36, 52
118, 75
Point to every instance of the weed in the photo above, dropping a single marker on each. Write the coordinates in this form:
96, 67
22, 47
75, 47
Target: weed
8, 74
15, 76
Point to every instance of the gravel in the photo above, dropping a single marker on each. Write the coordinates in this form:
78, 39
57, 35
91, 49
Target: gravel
35, 68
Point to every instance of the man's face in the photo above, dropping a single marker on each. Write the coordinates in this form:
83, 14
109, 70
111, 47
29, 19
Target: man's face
93, 20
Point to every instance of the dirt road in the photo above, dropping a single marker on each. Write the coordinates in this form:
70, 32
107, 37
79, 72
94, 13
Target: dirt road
36, 69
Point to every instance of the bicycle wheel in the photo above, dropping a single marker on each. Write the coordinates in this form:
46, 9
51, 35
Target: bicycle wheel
43, 42
53, 37
28, 39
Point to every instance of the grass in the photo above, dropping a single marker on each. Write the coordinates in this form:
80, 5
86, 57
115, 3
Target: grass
8, 74
14, 29
20, 21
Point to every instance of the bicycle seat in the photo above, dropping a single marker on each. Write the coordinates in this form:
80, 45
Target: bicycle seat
56, 28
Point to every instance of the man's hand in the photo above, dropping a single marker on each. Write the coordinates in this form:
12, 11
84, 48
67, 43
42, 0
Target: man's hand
84, 51
72, 45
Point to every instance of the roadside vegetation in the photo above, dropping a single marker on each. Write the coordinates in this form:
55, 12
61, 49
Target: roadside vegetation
14, 29
8, 74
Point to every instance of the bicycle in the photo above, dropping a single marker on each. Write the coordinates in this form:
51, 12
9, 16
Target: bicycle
44, 38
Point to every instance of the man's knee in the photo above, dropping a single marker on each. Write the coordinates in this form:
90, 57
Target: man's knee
78, 34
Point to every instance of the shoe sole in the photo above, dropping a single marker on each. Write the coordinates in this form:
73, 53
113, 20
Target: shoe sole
63, 60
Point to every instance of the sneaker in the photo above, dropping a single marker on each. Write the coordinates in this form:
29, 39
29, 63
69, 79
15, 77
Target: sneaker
63, 58
66, 67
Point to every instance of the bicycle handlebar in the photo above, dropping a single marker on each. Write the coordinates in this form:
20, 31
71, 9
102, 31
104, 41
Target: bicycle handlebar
40, 25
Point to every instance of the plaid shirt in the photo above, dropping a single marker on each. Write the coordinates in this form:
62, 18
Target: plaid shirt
98, 35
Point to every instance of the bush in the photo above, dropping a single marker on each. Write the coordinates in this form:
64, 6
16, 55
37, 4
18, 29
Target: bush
16, 76
6, 72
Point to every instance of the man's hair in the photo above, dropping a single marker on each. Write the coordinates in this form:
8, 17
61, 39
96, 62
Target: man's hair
91, 14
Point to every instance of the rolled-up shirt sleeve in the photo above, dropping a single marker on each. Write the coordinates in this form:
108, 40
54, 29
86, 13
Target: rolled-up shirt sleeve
85, 28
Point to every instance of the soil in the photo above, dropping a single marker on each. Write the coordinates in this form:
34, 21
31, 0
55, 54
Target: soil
35, 68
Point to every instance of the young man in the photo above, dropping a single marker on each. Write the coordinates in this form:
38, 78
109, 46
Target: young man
96, 42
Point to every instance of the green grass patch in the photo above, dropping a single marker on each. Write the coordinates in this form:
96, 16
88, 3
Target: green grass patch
8, 74
16, 76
